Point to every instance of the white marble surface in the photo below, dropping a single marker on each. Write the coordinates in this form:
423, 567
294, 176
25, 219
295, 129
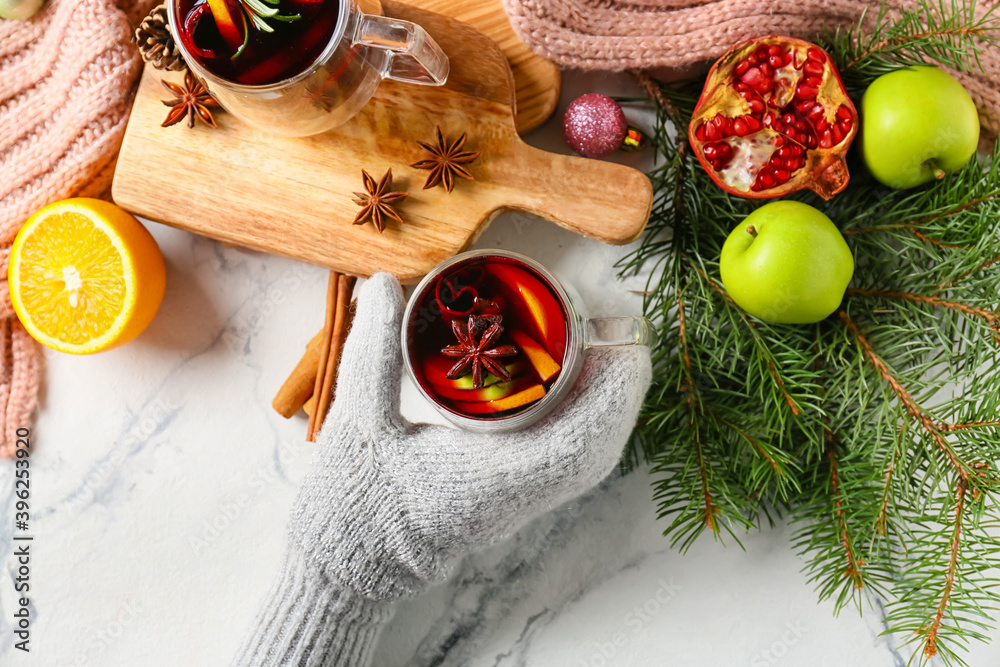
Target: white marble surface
162, 481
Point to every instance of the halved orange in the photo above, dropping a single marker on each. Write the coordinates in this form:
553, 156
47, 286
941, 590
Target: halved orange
85, 276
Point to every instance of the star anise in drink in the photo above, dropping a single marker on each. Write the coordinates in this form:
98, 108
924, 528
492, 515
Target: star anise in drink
475, 349
192, 100
377, 201
446, 162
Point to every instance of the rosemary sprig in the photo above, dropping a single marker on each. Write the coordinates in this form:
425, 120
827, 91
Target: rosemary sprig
258, 11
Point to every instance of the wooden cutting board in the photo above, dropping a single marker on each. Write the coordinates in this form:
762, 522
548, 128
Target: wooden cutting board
293, 197
537, 80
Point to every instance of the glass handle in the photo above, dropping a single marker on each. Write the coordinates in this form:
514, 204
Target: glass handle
606, 331
414, 56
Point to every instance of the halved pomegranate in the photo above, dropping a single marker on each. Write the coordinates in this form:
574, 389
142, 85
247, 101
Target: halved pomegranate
774, 118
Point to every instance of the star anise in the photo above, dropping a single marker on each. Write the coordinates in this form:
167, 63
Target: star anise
191, 100
446, 162
478, 356
376, 203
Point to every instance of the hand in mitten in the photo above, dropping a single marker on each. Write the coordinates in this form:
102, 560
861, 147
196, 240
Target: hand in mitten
387, 506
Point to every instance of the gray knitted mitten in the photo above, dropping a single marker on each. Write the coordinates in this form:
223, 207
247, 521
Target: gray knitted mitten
387, 506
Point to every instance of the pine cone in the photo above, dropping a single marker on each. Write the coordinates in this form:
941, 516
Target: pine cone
156, 44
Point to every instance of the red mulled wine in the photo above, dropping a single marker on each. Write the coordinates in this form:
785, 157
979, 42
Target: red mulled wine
489, 338
256, 42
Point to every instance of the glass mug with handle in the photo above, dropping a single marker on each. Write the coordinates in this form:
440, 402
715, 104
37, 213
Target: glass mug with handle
304, 73
494, 341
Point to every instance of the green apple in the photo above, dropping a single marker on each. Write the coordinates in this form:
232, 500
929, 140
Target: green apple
19, 9
917, 124
787, 263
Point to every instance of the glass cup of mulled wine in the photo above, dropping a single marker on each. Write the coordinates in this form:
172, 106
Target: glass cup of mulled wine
495, 342
300, 67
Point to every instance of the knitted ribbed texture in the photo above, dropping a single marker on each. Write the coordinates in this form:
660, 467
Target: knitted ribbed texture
625, 34
65, 93
386, 506
309, 621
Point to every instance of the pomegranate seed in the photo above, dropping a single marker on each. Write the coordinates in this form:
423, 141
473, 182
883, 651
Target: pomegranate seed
838, 134
843, 113
814, 68
784, 151
810, 141
757, 105
801, 126
752, 77
761, 54
845, 126
766, 70
700, 132
805, 106
769, 119
788, 119
752, 123
825, 139
773, 50
740, 127
816, 112
781, 175
712, 132
719, 120
816, 54
766, 180
742, 68
822, 124
805, 93
753, 59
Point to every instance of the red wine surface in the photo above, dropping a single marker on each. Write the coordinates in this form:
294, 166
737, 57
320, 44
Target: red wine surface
534, 322
268, 57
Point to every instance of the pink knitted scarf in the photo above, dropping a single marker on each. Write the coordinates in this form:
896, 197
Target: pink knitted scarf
678, 34
65, 92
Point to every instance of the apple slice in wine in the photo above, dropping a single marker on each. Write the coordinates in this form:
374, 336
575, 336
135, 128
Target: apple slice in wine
492, 392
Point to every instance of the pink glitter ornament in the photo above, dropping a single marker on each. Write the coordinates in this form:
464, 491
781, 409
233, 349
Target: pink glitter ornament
594, 125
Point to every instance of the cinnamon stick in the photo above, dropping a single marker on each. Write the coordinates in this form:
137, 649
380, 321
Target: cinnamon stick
324, 354
299, 386
341, 325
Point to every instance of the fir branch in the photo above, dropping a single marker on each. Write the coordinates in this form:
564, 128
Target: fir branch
932, 631
880, 521
951, 34
895, 398
932, 427
854, 564
992, 317
761, 346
